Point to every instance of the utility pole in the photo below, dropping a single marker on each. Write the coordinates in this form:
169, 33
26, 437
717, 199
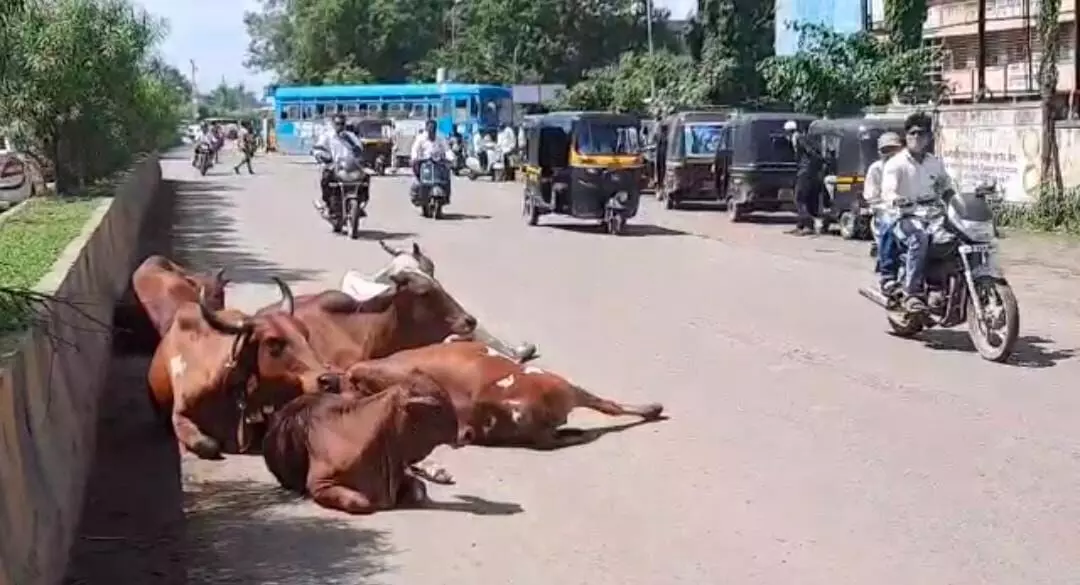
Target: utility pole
194, 90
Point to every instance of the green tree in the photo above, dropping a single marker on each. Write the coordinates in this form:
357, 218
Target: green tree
626, 86
229, 100
904, 22
1048, 79
83, 109
331, 41
729, 39
834, 73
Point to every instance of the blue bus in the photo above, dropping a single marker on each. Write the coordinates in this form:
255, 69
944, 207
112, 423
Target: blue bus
300, 113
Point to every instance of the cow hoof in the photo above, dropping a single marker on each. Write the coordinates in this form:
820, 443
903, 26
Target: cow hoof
442, 477
652, 411
206, 448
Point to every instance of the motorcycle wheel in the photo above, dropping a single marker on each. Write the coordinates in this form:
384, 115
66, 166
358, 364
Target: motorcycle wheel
434, 208
353, 211
848, 228
1003, 312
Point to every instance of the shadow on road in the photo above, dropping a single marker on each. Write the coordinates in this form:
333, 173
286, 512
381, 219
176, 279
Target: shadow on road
242, 533
1031, 351
476, 506
206, 236
450, 216
630, 230
132, 524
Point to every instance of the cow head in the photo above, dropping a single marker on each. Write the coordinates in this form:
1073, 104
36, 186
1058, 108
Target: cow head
402, 260
273, 347
420, 299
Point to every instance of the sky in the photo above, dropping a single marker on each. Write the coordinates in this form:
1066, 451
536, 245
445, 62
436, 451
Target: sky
211, 32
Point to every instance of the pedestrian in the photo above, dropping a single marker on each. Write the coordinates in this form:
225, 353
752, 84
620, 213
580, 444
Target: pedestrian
246, 141
808, 180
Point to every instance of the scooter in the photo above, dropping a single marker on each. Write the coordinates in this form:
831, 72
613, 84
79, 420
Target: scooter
433, 191
494, 157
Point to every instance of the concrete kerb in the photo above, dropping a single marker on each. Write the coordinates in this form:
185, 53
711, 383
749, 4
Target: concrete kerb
50, 385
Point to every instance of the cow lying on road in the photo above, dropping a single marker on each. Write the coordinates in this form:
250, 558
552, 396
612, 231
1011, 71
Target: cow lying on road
161, 286
501, 401
353, 453
402, 260
412, 312
213, 370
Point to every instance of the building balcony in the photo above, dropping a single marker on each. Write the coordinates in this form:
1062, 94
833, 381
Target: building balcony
948, 19
1009, 81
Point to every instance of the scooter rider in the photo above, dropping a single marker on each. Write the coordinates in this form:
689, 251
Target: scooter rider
205, 139
912, 179
507, 143
340, 144
427, 145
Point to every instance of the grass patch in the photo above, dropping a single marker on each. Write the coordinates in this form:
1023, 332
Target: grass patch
30, 243
1051, 211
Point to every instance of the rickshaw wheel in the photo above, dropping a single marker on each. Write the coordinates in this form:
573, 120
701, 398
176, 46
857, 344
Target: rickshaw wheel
670, 203
847, 226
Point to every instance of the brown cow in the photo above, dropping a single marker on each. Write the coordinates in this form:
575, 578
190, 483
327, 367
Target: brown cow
354, 453
215, 370
161, 286
416, 311
505, 403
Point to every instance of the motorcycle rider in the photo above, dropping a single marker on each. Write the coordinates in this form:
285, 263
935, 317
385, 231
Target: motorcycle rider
912, 179
340, 144
427, 145
203, 138
887, 250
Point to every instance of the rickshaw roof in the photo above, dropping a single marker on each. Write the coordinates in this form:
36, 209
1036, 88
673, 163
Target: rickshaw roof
697, 116
855, 125
772, 117
560, 119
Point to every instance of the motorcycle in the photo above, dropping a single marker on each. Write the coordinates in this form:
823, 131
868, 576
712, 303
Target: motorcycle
433, 192
204, 158
349, 195
964, 279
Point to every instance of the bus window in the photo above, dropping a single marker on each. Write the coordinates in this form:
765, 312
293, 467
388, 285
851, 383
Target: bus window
504, 107
320, 110
352, 108
419, 111
290, 112
489, 112
307, 112
396, 111
474, 106
461, 110
373, 110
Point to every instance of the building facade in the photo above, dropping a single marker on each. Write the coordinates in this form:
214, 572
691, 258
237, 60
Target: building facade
845, 16
1012, 47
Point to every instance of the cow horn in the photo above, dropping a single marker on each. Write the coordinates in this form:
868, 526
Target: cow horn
288, 303
211, 318
219, 277
392, 252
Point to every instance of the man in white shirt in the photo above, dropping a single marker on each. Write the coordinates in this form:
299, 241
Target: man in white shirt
427, 145
888, 144
204, 139
340, 144
913, 178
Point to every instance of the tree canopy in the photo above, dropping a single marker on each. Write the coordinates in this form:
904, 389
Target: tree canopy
86, 110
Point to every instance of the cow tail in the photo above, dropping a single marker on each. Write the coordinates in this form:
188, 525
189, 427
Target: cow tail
585, 399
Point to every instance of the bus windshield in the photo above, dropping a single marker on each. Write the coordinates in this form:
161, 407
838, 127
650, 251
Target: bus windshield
496, 111
599, 139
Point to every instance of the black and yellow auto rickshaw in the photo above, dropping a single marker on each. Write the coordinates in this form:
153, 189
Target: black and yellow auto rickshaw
375, 134
757, 170
850, 147
693, 139
583, 164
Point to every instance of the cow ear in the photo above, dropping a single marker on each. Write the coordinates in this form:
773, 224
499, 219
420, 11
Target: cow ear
416, 249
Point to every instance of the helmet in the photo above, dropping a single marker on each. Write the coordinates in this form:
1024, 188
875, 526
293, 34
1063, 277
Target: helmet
790, 126
889, 140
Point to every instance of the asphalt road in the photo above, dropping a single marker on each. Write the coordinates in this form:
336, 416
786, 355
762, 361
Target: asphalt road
805, 445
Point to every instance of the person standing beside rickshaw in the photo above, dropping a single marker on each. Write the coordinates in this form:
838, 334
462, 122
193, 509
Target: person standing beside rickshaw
809, 181
888, 251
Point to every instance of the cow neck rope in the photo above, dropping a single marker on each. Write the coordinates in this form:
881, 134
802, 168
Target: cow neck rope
240, 374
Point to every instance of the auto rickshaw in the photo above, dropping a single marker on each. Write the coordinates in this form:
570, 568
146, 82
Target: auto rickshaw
583, 164
693, 139
374, 134
758, 168
850, 147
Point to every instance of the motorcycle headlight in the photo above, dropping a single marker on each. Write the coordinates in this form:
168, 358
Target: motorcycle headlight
352, 176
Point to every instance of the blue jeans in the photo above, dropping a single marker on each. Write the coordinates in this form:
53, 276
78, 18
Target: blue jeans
916, 242
888, 249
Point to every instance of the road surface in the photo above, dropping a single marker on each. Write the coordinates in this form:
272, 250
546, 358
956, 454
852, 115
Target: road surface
805, 445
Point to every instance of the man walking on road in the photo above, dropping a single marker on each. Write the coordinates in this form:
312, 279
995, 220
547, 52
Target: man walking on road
808, 180
246, 141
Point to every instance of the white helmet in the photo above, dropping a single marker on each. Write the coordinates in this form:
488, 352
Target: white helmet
790, 126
